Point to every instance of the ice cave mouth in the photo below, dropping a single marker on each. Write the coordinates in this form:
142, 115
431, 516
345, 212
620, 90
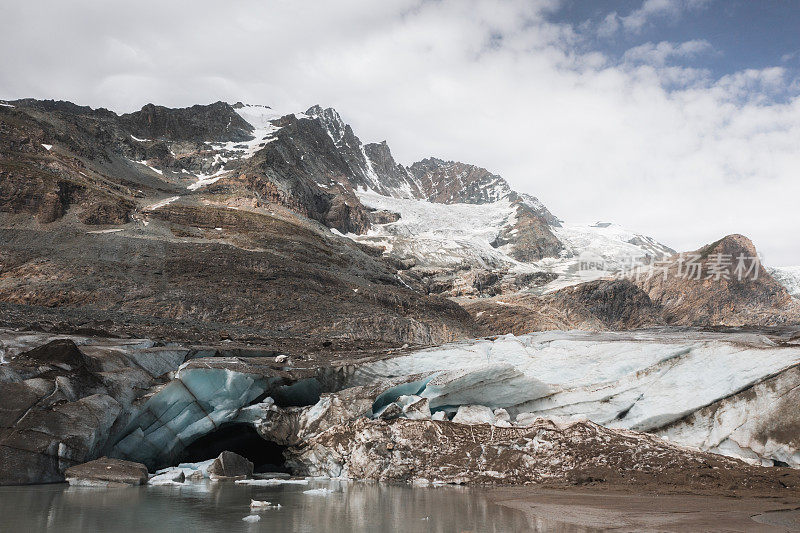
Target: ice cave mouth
242, 439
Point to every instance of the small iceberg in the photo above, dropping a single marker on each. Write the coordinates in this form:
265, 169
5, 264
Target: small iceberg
261, 504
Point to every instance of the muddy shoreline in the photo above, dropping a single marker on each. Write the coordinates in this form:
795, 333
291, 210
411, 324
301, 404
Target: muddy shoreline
625, 509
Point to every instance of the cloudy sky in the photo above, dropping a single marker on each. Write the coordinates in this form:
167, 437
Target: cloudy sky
676, 118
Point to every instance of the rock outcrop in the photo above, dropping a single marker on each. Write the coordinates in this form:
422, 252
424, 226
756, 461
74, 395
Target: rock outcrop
595, 306
722, 284
215, 122
105, 472
230, 466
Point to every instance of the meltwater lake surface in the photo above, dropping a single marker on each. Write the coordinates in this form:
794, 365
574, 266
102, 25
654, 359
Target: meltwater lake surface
207, 506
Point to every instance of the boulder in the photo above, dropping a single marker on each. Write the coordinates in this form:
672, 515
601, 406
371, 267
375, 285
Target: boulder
230, 465
105, 472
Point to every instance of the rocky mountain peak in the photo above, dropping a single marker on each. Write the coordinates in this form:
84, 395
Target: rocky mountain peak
450, 182
734, 245
720, 283
332, 122
217, 122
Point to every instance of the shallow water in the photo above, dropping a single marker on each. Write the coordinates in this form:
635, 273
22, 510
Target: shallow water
210, 506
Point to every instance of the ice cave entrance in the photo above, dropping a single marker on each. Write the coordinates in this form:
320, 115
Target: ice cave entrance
243, 439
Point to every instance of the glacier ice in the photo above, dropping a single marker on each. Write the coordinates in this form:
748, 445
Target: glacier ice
196, 402
651, 381
474, 414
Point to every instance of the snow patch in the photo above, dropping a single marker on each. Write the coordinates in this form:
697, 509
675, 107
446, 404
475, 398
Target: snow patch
206, 179
161, 203
112, 230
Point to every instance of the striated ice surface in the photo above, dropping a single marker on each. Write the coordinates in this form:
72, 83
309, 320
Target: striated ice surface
646, 381
196, 402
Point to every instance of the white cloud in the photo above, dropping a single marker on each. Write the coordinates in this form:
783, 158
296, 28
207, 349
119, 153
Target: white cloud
650, 11
493, 83
659, 53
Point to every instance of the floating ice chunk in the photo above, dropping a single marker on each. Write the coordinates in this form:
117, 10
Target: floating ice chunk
318, 492
261, 504
474, 414
439, 415
164, 483
172, 476
251, 518
271, 482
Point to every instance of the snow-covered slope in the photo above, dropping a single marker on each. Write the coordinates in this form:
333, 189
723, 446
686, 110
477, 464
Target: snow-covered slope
448, 235
727, 393
789, 277
443, 235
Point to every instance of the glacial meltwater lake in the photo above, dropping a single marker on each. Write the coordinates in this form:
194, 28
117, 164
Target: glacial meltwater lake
206, 506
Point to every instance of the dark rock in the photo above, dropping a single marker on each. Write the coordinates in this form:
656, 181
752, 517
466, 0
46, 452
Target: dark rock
380, 216
230, 465
105, 472
215, 122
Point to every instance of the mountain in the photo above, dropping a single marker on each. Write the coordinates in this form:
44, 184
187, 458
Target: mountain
208, 183
704, 287
101, 229
700, 289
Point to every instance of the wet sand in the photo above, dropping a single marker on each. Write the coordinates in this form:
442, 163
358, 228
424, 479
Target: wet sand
604, 509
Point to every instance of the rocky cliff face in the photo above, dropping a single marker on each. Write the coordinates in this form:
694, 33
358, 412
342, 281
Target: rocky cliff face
594, 306
215, 122
722, 283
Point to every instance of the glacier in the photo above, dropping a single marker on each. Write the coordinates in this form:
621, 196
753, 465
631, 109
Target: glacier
733, 393
449, 235
713, 391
